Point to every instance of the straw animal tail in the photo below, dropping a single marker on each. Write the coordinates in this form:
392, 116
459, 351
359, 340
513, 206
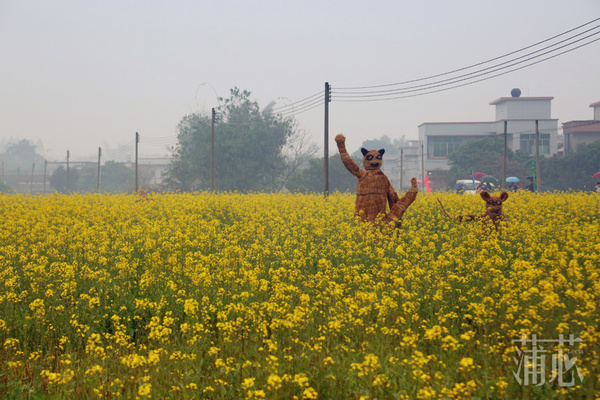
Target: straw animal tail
446, 212
493, 209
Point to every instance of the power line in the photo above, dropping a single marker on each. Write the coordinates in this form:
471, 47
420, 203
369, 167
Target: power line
306, 107
158, 140
298, 103
475, 74
473, 65
363, 99
358, 93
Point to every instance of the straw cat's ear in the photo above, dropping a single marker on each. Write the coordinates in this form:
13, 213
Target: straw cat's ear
364, 151
503, 196
485, 195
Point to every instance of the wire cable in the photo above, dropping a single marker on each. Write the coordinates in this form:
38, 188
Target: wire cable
158, 140
475, 73
473, 65
299, 102
302, 109
342, 99
465, 77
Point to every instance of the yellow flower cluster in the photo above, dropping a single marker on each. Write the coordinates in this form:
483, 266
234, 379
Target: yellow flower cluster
285, 296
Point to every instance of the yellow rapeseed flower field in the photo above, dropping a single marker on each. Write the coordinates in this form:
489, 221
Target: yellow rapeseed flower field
274, 296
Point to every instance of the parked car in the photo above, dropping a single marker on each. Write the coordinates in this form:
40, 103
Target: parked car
466, 186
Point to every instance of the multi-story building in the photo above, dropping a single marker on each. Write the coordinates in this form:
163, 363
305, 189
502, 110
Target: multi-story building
578, 133
521, 116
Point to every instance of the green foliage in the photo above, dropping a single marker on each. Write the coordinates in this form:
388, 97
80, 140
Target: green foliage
115, 177
487, 155
573, 172
17, 162
248, 148
311, 179
87, 181
23, 150
63, 183
384, 142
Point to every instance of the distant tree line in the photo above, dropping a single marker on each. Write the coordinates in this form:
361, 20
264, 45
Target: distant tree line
311, 178
571, 172
261, 150
115, 177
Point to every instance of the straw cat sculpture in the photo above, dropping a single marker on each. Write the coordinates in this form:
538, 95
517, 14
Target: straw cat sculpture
493, 209
374, 190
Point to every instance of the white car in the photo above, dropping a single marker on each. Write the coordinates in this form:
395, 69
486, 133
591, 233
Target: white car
466, 186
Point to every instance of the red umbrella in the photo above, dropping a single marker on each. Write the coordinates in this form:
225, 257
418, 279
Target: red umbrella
596, 175
478, 175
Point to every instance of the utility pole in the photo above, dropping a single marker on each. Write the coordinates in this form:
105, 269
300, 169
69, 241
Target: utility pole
31, 183
505, 150
401, 169
326, 139
422, 166
45, 169
99, 154
212, 152
68, 182
137, 141
537, 158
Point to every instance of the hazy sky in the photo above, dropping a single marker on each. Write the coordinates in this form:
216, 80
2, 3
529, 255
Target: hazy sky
83, 74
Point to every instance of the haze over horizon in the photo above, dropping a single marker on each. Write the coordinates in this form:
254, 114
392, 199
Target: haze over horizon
82, 75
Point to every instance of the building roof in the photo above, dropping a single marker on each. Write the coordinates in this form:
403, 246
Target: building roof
582, 126
503, 99
596, 104
488, 122
457, 123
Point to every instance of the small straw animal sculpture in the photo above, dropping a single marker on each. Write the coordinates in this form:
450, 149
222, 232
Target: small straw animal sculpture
493, 209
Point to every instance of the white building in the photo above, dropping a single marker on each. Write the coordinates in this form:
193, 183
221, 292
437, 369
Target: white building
577, 133
520, 114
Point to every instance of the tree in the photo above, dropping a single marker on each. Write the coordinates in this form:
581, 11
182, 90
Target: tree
115, 177
487, 155
23, 150
87, 180
249, 148
311, 179
384, 142
190, 164
63, 184
298, 152
573, 172
19, 156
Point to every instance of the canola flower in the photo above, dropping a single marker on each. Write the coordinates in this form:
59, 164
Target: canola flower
285, 296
